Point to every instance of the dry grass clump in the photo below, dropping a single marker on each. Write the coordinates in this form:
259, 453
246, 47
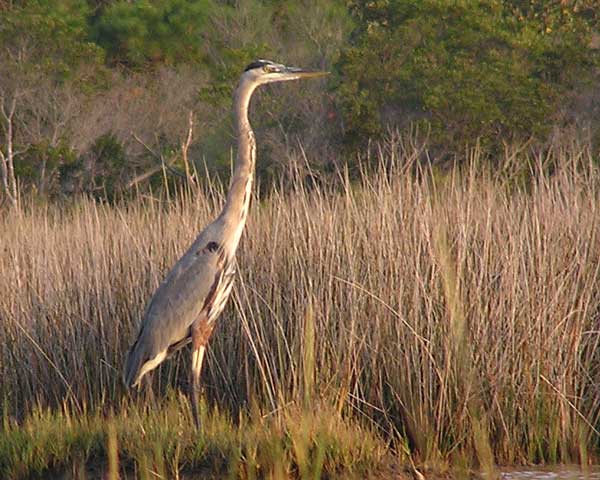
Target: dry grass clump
455, 313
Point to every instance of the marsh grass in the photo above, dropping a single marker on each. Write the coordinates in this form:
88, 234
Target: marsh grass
452, 317
162, 442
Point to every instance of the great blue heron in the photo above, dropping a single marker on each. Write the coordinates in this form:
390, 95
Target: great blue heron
186, 304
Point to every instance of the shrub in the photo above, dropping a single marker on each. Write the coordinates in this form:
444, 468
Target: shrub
43, 166
469, 69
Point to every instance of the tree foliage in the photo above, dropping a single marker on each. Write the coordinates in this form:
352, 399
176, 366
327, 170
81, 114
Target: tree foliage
47, 36
469, 68
145, 31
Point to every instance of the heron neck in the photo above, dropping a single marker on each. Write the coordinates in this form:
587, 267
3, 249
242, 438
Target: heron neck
238, 197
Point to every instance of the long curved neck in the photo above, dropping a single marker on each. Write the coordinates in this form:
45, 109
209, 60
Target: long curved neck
238, 198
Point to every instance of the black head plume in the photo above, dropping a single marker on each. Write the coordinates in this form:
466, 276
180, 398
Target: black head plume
258, 64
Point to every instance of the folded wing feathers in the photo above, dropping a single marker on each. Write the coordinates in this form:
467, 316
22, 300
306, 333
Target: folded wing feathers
186, 292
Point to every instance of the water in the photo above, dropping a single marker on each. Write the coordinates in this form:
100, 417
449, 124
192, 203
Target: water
551, 473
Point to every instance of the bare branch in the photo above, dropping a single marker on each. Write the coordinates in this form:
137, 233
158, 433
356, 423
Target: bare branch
186, 145
155, 169
9, 182
152, 152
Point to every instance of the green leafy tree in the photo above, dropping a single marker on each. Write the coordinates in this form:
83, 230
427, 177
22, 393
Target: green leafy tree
469, 69
145, 32
49, 37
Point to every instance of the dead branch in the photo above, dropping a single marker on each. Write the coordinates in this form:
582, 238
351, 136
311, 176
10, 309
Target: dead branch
164, 164
186, 145
7, 159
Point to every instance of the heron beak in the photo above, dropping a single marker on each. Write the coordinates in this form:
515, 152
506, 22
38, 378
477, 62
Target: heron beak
301, 73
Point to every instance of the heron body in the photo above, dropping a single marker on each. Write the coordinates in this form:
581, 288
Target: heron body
186, 305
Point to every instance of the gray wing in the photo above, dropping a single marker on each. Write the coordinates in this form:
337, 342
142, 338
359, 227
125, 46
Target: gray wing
181, 297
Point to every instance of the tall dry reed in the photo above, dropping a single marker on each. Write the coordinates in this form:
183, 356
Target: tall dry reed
457, 312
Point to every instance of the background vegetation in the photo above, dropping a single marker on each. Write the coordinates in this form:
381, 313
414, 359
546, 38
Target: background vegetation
96, 94
496, 69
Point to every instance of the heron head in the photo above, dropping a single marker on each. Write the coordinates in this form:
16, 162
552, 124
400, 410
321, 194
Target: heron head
265, 71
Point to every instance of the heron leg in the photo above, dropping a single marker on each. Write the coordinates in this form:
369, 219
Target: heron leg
197, 357
201, 330
150, 397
